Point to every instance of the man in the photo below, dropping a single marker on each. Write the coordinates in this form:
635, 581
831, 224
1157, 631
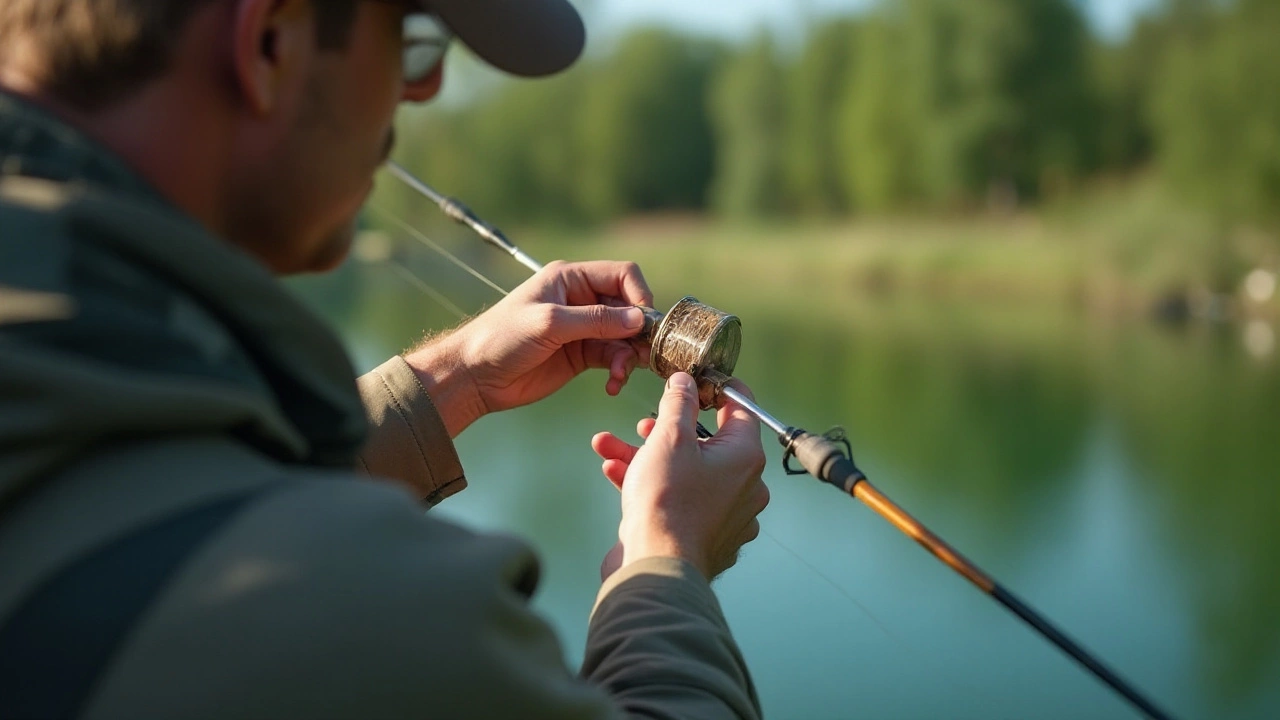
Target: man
182, 530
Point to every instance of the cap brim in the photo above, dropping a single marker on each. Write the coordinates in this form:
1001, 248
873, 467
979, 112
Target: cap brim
523, 37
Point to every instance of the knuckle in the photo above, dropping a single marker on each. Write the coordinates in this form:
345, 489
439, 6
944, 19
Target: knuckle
730, 561
762, 497
598, 317
543, 318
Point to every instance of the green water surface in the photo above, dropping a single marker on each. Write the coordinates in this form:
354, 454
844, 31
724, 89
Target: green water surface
1121, 477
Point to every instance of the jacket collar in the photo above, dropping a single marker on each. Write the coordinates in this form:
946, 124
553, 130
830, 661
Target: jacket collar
36, 144
281, 350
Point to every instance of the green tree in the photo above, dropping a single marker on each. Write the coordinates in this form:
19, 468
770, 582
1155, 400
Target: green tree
528, 152
880, 137
1123, 77
746, 107
1216, 109
643, 131
956, 98
509, 153
816, 84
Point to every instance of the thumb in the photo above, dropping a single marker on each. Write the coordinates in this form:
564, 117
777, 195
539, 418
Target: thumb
678, 409
596, 322
733, 419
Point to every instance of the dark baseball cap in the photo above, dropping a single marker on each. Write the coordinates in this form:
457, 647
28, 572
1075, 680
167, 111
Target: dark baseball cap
522, 37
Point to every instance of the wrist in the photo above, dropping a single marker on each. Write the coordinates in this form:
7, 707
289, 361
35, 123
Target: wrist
439, 366
662, 545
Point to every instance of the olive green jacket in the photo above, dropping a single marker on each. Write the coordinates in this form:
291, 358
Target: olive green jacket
185, 530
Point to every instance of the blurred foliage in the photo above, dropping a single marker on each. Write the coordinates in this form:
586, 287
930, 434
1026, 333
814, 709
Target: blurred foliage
747, 115
643, 127
813, 174
911, 105
628, 133
1216, 106
956, 101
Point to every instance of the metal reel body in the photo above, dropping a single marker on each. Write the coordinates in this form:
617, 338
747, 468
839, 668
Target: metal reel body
700, 340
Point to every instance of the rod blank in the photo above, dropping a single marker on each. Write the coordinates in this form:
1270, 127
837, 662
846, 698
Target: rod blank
826, 460
463, 215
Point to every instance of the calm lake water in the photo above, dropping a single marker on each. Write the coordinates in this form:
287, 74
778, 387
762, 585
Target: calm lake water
1121, 478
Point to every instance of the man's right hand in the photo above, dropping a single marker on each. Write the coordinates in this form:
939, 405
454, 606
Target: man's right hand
683, 497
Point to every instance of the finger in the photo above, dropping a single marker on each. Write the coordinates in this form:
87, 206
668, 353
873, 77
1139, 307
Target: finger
678, 410
620, 357
603, 353
760, 496
586, 282
621, 366
728, 562
570, 323
643, 351
615, 471
645, 427
732, 419
623, 362
610, 447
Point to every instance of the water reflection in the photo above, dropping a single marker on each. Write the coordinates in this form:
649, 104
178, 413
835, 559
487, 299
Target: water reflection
1202, 427
1122, 477
984, 427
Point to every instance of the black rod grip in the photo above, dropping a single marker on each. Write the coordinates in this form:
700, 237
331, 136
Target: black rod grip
825, 459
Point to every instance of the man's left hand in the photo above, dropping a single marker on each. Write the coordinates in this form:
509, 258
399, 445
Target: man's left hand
566, 319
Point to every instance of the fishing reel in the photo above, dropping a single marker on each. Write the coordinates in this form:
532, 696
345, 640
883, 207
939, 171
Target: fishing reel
694, 338
704, 342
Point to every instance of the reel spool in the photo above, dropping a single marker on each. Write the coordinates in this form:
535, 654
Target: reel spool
700, 340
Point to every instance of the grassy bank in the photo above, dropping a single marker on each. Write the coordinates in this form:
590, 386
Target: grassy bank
1121, 250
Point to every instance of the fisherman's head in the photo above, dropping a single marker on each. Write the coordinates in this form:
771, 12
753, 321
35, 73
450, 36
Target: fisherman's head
264, 119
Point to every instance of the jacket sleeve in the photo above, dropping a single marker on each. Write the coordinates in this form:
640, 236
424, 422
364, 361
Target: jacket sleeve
407, 441
659, 645
336, 599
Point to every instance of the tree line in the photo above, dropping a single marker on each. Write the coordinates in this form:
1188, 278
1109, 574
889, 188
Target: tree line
914, 105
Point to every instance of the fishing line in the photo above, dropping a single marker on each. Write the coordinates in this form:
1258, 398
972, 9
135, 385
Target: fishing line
842, 590
913, 653
422, 238
687, 344
931, 661
827, 457
422, 285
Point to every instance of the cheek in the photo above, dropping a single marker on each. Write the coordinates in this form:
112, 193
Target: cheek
374, 72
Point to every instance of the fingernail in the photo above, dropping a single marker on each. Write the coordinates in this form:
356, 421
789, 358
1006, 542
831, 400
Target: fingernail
681, 381
634, 319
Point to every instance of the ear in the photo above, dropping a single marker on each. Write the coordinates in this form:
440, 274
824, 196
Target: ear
274, 41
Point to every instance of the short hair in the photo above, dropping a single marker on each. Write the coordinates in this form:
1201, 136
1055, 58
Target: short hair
93, 53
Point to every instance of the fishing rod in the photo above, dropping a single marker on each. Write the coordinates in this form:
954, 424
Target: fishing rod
705, 342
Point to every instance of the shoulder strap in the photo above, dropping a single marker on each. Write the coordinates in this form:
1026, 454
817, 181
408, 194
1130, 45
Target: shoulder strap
58, 642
